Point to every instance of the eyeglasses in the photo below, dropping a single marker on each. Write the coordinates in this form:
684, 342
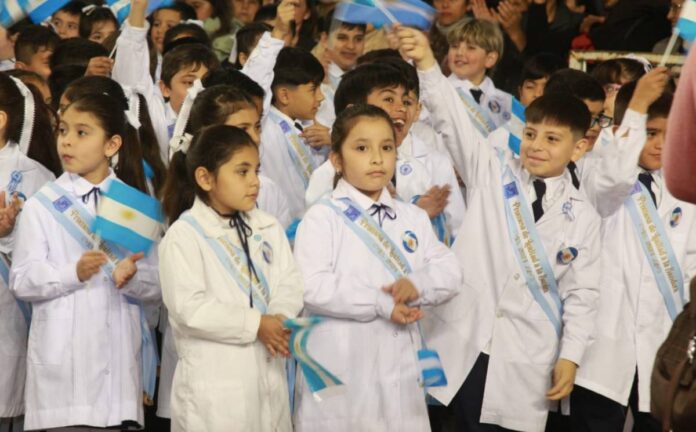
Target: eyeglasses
602, 120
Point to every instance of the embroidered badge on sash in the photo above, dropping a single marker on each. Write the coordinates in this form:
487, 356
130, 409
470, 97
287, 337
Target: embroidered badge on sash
352, 213
676, 217
267, 252
406, 169
567, 255
15, 180
61, 204
410, 241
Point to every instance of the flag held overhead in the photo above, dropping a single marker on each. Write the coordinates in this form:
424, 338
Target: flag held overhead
687, 21
412, 13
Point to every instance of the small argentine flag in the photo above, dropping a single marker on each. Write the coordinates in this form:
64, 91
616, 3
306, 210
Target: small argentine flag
412, 13
12, 11
515, 126
687, 21
121, 8
128, 218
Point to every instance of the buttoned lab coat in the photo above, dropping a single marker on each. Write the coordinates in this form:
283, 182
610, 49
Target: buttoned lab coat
225, 379
496, 306
13, 325
357, 342
83, 360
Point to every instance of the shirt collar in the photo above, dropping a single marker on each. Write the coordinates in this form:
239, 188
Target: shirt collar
10, 150
169, 113
216, 226
555, 186
346, 190
282, 115
335, 71
486, 85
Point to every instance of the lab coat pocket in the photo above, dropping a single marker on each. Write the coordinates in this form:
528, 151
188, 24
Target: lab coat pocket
13, 330
49, 340
218, 406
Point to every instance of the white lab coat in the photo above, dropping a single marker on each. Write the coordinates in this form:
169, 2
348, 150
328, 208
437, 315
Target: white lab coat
632, 321
225, 379
83, 361
412, 179
497, 103
13, 326
496, 310
375, 358
259, 65
132, 68
272, 200
277, 164
327, 111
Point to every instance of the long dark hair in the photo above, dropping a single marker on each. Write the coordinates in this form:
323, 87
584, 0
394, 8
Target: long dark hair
42, 146
213, 105
211, 148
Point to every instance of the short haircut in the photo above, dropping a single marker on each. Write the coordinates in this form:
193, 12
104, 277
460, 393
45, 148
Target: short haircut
659, 108
579, 84
330, 24
482, 33
248, 36
73, 8
375, 56
541, 65
266, 13
559, 109
93, 16
234, 78
357, 84
185, 11
32, 39
617, 71
76, 51
408, 70
184, 56
296, 67
60, 79
192, 33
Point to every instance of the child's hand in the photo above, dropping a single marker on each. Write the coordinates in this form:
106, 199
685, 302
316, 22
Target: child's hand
481, 11
648, 89
274, 335
126, 269
316, 135
136, 16
563, 379
99, 66
402, 314
435, 200
403, 291
8, 214
284, 16
416, 46
89, 264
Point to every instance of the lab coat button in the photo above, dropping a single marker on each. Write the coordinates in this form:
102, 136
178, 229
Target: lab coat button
517, 276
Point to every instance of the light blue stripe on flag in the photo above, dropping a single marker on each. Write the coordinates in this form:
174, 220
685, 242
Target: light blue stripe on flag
687, 21
414, 13
515, 126
121, 8
121, 235
43, 10
131, 197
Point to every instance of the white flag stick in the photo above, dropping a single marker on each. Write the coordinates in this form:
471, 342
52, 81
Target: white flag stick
670, 47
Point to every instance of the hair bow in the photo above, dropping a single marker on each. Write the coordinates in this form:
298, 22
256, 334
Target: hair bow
29, 111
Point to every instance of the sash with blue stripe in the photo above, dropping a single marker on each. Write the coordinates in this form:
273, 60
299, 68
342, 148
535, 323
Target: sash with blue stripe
234, 261
77, 221
24, 307
479, 116
384, 249
657, 248
529, 250
300, 153
439, 224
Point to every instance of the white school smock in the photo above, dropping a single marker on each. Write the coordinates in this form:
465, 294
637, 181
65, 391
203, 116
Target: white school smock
496, 305
132, 68
259, 65
357, 342
83, 359
272, 200
225, 379
632, 320
13, 326
497, 103
441, 171
277, 164
412, 178
327, 111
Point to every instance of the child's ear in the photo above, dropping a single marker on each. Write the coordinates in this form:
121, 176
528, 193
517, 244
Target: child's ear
283, 95
579, 149
242, 59
337, 162
20, 65
491, 59
204, 178
3, 120
166, 92
113, 145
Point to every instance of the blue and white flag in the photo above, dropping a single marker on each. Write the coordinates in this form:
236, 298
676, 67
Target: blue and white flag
412, 13
128, 217
687, 21
515, 126
12, 11
121, 8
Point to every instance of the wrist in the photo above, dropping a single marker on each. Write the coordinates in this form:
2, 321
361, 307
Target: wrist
639, 106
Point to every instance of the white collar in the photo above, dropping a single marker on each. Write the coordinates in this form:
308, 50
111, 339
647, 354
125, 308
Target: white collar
555, 186
486, 86
216, 226
282, 115
344, 189
335, 70
10, 150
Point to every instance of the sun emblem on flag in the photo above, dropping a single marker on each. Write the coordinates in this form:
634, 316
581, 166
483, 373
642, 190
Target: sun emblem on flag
567, 255
127, 214
410, 241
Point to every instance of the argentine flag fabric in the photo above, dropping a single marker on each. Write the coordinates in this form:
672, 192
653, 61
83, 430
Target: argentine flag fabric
687, 21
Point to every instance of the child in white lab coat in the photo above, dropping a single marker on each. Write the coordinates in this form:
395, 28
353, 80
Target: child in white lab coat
21, 176
369, 262
228, 281
530, 260
83, 363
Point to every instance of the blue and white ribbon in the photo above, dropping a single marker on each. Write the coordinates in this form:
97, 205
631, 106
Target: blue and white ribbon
479, 116
299, 152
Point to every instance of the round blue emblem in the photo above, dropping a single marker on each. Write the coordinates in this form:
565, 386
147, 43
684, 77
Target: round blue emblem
506, 116
410, 241
567, 255
406, 169
494, 106
676, 217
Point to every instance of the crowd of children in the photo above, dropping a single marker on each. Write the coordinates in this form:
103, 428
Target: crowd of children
306, 169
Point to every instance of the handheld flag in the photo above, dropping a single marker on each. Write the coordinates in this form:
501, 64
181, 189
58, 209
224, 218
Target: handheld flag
686, 26
12, 11
515, 126
128, 218
121, 8
412, 13
319, 380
